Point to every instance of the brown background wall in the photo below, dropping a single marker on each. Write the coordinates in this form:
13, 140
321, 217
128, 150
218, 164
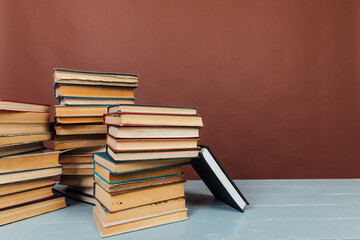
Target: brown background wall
276, 81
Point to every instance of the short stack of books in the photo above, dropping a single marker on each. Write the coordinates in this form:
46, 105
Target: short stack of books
139, 181
26, 169
83, 99
23, 126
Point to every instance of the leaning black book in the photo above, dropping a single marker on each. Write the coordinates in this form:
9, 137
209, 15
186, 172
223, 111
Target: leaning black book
217, 180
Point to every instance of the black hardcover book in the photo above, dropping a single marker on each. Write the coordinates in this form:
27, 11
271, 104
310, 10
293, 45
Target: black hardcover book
217, 180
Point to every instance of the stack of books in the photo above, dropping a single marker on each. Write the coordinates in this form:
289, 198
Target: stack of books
26, 169
83, 99
139, 181
77, 175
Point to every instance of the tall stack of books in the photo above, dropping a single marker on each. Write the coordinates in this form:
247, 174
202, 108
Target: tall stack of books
26, 169
139, 181
83, 99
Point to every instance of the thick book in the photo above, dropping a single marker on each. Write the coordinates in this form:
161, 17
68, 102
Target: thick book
77, 180
124, 156
10, 188
133, 214
19, 106
84, 150
30, 174
210, 170
150, 144
25, 196
139, 197
103, 159
145, 108
141, 223
70, 76
77, 168
23, 128
137, 185
33, 160
20, 148
24, 117
152, 132
112, 178
69, 138
77, 120
30, 209
76, 158
63, 142
93, 91
9, 140
152, 119
80, 111
77, 129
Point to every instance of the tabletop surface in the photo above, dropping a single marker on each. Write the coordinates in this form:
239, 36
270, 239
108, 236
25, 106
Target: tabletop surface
279, 209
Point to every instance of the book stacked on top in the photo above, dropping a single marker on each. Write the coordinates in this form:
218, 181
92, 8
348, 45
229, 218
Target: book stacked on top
26, 169
83, 99
139, 181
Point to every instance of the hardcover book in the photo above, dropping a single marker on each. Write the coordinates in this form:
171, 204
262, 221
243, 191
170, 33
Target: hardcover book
24, 117
78, 129
118, 178
80, 111
9, 140
76, 158
133, 214
119, 156
23, 128
20, 148
137, 185
104, 160
77, 168
69, 101
30, 209
10, 188
144, 108
25, 175
139, 197
33, 160
63, 142
150, 144
141, 223
77, 180
210, 170
78, 120
10, 105
25, 196
93, 91
84, 150
152, 132
70, 76
152, 119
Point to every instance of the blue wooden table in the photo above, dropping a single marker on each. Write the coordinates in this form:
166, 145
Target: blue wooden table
280, 209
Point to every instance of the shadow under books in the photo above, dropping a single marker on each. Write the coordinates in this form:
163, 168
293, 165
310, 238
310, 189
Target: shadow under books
196, 200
